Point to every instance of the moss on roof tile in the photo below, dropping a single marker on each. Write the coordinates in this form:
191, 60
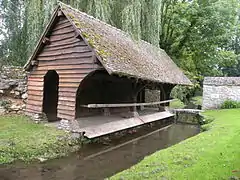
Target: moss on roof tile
122, 54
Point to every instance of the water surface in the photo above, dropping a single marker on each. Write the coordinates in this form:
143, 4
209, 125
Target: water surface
100, 161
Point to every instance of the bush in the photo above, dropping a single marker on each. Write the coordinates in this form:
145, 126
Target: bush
230, 104
205, 120
205, 127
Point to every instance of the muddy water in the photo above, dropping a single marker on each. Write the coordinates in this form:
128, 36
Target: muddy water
105, 162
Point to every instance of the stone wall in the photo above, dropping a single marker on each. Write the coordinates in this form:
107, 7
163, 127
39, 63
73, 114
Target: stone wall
13, 89
215, 95
152, 95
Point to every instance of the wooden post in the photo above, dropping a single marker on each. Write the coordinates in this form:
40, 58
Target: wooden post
134, 108
106, 112
165, 91
135, 90
141, 99
162, 97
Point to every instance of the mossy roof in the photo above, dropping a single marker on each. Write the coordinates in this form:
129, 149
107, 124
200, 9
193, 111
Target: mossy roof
120, 54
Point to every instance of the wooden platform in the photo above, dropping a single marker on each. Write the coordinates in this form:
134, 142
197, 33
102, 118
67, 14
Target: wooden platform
101, 125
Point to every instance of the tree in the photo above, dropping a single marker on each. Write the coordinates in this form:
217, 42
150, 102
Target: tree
201, 36
13, 30
195, 33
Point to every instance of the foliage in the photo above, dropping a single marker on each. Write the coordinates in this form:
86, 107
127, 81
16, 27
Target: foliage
177, 104
205, 120
21, 139
205, 127
24, 22
194, 33
230, 104
198, 100
202, 37
215, 152
185, 93
13, 44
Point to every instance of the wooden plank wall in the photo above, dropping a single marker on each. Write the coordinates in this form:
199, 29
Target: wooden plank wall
71, 58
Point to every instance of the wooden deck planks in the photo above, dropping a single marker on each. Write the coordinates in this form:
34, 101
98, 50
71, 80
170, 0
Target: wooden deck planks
103, 125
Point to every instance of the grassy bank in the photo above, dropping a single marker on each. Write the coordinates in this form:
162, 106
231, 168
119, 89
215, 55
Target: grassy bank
197, 100
21, 139
213, 154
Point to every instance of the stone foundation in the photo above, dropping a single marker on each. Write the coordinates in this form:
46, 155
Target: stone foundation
64, 125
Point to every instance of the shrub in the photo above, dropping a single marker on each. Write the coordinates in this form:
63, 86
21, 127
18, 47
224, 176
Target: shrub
230, 104
205, 127
205, 120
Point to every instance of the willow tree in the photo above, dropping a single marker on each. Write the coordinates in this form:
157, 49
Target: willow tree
100, 9
37, 15
140, 18
151, 21
13, 30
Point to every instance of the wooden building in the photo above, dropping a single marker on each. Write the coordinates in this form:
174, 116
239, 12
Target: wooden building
83, 67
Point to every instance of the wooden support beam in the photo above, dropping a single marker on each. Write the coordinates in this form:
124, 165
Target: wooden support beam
34, 62
77, 35
46, 41
126, 104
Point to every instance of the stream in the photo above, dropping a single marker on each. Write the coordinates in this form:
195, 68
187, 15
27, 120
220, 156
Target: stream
99, 161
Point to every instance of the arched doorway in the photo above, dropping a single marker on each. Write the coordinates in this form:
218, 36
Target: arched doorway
101, 88
50, 95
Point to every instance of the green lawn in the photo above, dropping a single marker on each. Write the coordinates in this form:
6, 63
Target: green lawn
213, 154
177, 104
22, 139
197, 100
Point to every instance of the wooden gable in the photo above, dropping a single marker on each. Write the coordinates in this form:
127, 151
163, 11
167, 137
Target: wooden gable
65, 52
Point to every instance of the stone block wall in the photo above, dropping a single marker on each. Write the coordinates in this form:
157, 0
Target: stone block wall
13, 89
215, 95
152, 95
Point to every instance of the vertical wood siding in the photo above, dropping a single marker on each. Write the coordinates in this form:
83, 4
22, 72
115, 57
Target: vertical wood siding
71, 58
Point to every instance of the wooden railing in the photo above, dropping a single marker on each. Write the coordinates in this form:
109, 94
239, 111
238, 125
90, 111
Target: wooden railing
126, 104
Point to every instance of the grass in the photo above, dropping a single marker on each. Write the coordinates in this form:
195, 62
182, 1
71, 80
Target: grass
211, 155
177, 104
197, 100
22, 139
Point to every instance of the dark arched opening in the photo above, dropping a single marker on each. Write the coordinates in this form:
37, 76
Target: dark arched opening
101, 88
50, 95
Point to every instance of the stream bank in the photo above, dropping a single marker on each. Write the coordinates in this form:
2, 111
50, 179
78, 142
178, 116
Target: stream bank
213, 154
99, 161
